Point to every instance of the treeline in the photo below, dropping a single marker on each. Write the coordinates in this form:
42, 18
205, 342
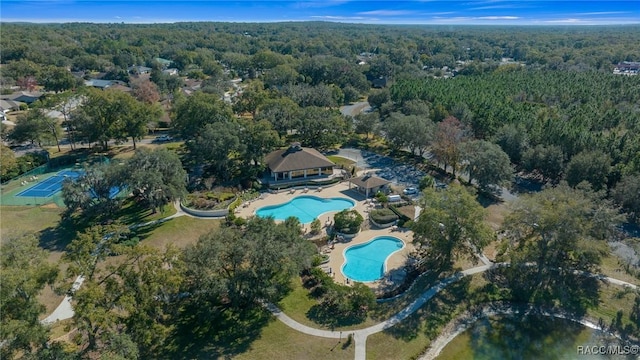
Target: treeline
553, 125
105, 47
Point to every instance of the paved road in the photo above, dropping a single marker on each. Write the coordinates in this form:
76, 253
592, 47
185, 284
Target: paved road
355, 108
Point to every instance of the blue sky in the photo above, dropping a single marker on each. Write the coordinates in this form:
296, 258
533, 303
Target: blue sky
452, 12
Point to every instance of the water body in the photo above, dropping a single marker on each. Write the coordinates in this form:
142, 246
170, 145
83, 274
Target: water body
529, 337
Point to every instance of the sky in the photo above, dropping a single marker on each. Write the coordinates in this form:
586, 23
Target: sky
451, 12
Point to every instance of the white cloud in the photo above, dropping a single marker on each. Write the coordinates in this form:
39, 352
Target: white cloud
497, 18
386, 12
604, 13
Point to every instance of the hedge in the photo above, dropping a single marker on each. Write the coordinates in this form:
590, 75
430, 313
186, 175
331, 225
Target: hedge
383, 216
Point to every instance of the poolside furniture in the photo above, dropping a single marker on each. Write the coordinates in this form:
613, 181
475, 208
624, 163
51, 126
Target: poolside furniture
319, 188
292, 191
305, 190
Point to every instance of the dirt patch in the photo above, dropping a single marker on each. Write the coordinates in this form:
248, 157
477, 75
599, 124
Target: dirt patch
495, 215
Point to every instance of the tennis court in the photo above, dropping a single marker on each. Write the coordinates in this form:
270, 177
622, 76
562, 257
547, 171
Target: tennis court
50, 186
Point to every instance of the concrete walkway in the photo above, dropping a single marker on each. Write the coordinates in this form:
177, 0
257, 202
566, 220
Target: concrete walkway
65, 310
360, 336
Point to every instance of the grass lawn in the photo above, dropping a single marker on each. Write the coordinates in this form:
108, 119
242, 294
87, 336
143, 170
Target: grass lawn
339, 160
278, 341
179, 231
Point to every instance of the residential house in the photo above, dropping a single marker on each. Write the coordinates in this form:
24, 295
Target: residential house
165, 63
171, 72
139, 70
23, 96
628, 68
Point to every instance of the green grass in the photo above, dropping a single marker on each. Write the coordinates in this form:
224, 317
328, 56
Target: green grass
179, 231
278, 341
15, 219
133, 213
339, 160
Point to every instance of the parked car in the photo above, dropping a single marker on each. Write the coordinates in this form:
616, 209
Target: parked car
410, 191
163, 138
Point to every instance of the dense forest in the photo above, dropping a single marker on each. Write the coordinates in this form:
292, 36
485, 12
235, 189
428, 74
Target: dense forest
546, 96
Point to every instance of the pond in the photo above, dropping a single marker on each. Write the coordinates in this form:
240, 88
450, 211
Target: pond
529, 337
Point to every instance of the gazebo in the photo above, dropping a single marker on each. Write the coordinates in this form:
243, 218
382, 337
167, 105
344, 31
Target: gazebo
368, 184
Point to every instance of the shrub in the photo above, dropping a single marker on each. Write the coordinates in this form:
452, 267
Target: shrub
383, 216
382, 197
348, 221
316, 226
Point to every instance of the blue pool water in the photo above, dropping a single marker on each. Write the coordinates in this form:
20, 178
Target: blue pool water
306, 208
366, 262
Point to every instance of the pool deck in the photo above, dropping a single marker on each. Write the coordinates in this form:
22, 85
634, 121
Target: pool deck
336, 257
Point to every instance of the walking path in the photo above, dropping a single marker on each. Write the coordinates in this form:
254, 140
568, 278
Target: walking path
65, 310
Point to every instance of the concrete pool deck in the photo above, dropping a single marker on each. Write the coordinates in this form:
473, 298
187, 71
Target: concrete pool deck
336, 257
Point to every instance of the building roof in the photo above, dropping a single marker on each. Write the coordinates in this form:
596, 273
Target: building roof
102, 84
8, 104
369, 181
296, 158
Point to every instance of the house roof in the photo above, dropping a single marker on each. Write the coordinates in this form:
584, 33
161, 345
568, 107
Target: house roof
369, 181
8, 104
296, 158
98, 83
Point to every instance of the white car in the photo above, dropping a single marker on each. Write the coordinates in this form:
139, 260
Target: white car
410, 191
163, 138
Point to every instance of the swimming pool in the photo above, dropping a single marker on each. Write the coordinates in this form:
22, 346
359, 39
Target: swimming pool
367, 262
306, 208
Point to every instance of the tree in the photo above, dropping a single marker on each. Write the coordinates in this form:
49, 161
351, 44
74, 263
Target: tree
144, 90
57, 79
378, 97
449, 136
451, 225
627, 195
25, 272
321, 128
487, 164
194, 112
155, 177
590, 166
259, 139
348, 221
8, 162
218, 145
282, 113
366, 123
91, 194
548, 161
139, 116
427, 182
235, 268
31, 126
252, 97
101, 116
513, 141
64, 103
98, 305
552, 238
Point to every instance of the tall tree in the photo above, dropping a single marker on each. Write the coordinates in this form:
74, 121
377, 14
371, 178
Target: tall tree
236, 268
367, 123
194, 112
35, 126
101, 116
320, 127
25, 272
449, 136
57, 79
590, 166
451, 225
144, 90
218, 145
548, 161
155, 177
282, 113
552, 238
91, 194
140, 115
627, 195
487, 164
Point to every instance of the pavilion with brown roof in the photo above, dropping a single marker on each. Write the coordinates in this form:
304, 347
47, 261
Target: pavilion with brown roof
368, 184
297, 163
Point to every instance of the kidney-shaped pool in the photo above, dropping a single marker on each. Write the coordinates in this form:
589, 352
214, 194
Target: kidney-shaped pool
367, 262
306, 208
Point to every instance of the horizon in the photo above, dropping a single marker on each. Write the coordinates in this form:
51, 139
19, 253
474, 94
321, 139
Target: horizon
416, 12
